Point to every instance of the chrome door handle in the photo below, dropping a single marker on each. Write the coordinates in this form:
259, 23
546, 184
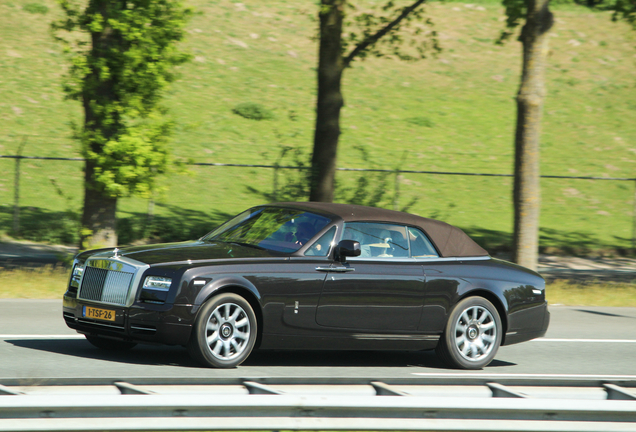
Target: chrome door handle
336, 269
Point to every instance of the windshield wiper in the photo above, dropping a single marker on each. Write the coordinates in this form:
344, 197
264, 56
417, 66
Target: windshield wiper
248, 245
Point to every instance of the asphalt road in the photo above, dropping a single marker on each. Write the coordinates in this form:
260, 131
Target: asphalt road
585, 342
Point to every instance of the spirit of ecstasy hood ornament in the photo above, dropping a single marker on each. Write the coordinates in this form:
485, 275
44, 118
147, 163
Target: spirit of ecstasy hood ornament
115, 253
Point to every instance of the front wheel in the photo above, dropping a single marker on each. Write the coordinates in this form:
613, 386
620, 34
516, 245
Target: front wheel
472, 335
224, 332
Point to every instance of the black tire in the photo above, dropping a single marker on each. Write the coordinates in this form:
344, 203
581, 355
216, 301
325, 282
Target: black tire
110, 344
224, 332
472, 335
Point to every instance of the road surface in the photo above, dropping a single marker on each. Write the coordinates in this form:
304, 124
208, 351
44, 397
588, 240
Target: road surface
586, 342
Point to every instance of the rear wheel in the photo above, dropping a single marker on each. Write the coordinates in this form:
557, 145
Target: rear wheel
110, 344
224, 332
472, 335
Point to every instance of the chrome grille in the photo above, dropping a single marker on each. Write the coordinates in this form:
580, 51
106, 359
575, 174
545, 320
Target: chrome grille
107, 286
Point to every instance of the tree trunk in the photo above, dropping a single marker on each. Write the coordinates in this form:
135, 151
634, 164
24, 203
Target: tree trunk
327, 132
530, 98
99, 216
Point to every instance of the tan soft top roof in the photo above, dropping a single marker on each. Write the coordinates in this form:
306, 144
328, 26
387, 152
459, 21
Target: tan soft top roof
449, 240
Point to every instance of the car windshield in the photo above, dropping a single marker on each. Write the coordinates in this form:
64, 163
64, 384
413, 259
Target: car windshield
273, 228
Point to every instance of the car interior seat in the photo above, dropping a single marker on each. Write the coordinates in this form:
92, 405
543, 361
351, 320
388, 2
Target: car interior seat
399, 246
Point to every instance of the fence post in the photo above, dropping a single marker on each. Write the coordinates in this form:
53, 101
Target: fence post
396, 195
150, 214
634, 222
275, 191
16, 189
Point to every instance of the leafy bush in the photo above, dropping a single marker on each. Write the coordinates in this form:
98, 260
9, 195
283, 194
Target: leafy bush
35, 8
42, 225
421, 121
253, 111
172, 225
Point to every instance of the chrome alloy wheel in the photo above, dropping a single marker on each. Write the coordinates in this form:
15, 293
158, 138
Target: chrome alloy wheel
475, 333
228, 331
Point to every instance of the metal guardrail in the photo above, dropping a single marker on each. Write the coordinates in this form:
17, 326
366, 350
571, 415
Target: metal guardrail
580, 406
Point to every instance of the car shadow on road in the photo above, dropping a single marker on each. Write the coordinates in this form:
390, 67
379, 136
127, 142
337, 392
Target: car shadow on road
159, 355
152, 355
399, 359
607, 314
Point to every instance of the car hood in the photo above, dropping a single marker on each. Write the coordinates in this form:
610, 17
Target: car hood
180, 252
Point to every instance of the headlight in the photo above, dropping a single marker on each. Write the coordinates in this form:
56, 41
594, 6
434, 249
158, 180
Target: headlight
78, 271
157, 283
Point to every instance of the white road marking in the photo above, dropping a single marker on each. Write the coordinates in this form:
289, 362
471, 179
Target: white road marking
520, 375
31, 336
585, 340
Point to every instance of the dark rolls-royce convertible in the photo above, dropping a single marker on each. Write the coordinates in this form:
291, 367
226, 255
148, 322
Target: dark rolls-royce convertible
309, 276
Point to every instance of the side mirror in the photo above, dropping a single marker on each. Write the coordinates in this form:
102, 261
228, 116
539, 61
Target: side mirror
347, 248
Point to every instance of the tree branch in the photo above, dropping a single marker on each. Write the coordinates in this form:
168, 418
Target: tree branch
366, 43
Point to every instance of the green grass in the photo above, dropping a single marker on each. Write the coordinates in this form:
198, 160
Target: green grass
593, 294
455, 112
38, 283
49, 283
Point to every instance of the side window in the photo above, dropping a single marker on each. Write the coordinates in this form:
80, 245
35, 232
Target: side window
421, 246
322, 246
378, 240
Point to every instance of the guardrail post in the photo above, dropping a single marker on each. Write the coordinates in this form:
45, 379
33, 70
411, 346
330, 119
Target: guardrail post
615, 392
382, 389
7, 391
260, 389
500, 391
129, 389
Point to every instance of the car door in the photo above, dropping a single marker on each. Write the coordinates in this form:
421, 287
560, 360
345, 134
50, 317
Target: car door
380, 291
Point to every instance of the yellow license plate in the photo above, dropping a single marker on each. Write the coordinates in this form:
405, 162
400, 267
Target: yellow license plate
99, 314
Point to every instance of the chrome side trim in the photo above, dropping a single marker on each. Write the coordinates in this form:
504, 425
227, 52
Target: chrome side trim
411, 260
396, 337
99, 324
146, 329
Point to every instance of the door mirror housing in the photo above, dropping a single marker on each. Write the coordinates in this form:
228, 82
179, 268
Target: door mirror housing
347, 248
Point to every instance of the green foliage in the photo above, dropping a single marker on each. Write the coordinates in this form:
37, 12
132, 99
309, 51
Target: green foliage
120, 78
410, 39
43, 225
421, 121
469, 99
367, 188
625, 10
253, 111
516, 11
36, 8
162, 228
289, 184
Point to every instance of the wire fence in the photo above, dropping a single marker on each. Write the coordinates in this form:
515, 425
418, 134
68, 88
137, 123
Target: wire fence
398, 180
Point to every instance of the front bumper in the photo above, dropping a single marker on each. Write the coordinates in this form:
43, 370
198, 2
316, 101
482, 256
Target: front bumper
143, 323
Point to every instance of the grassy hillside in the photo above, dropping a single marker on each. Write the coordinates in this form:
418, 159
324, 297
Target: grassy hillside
453, 112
